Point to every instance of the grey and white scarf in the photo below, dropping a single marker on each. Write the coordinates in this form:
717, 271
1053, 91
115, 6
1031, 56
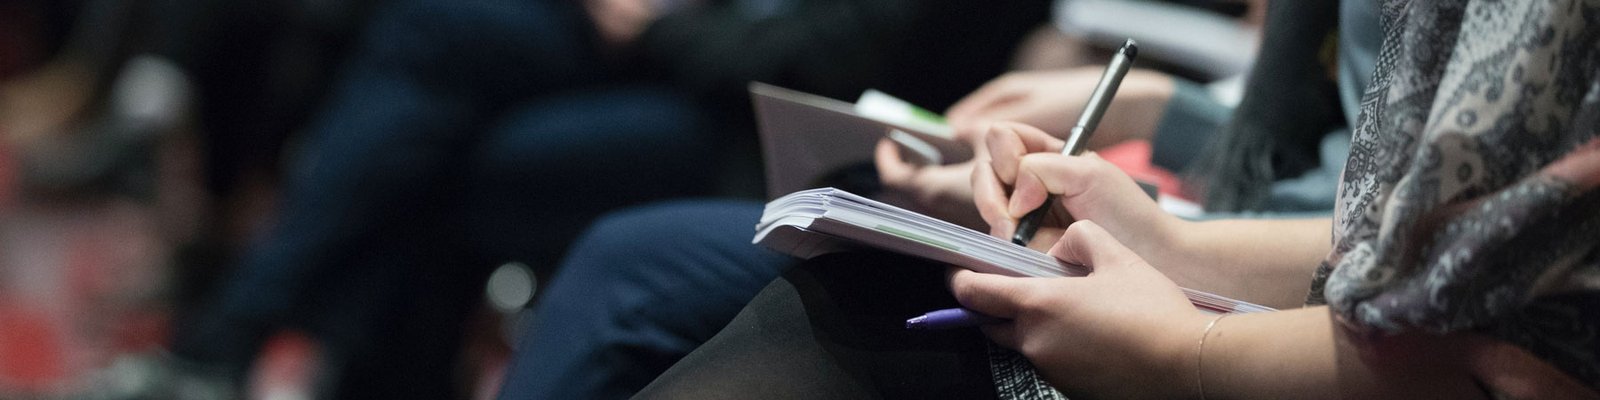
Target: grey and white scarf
1449, 218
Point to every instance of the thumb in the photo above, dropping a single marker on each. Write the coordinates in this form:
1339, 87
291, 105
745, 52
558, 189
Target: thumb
893, 171
994, 295
1086, 243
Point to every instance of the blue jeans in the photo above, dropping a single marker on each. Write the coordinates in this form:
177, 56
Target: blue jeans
640, 290
462, 134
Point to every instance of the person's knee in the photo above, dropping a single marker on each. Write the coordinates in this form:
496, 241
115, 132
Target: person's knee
662, 247
614, 243
669, 111
579, 132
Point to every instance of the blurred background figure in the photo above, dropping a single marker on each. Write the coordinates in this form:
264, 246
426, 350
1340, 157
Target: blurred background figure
465, 134
455, 137
139, 144
181, 181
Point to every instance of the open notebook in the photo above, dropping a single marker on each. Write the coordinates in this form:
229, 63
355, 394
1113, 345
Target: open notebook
813, 222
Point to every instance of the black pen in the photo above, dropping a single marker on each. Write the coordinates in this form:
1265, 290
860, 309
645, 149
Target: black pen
1079, 137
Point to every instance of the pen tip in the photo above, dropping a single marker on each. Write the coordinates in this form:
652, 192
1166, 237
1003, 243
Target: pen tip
1130, 48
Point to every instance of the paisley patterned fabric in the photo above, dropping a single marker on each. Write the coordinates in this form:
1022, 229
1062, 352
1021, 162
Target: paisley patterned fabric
1447, 218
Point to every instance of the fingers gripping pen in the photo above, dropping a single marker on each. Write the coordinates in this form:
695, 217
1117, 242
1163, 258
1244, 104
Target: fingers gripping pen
1078, 139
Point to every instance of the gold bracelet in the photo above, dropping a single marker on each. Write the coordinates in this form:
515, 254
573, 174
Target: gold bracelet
1199, 357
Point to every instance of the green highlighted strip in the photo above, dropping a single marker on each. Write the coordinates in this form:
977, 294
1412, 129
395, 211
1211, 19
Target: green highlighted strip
916, 237
925, 115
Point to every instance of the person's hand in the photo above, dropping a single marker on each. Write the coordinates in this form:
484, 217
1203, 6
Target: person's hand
941, 191
1025, 168
1052, 100
1124, 331
1048, 99
620, 22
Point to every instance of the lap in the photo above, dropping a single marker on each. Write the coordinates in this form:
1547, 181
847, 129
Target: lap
835, 328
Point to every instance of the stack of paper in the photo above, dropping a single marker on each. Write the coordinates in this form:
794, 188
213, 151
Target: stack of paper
813, 222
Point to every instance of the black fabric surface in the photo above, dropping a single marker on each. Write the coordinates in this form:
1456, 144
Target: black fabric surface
834, 327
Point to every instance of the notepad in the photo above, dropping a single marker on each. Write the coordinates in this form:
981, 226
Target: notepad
814, 222
806, 137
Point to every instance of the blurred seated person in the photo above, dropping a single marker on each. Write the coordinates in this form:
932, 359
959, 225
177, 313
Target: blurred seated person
463, 134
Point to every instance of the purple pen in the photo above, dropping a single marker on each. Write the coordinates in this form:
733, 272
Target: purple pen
950, 318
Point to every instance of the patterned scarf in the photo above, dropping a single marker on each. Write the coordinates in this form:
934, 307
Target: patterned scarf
1468, 203
1458, 209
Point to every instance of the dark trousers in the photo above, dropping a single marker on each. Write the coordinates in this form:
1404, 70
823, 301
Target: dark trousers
462, 134
646, 287
639, 290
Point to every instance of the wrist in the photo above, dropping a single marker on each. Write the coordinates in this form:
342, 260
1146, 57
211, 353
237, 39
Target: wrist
1169, 242
1181, 361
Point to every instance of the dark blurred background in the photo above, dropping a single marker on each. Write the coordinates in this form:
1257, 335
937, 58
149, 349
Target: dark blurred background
337, 199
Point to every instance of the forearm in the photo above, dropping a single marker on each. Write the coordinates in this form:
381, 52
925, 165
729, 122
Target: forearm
1269, 262
1304, 354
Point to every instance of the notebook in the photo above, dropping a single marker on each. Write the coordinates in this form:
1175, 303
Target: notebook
814, 222
805, 137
